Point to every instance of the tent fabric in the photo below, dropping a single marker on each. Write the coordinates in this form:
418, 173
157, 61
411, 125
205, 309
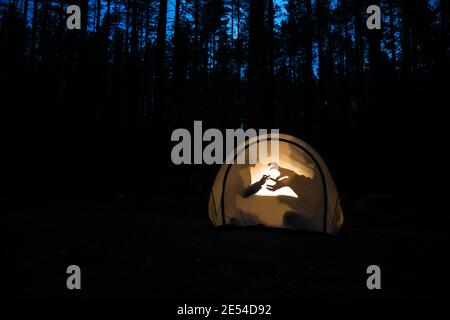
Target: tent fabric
293, 191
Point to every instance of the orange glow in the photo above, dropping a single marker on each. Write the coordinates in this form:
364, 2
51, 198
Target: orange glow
289, 159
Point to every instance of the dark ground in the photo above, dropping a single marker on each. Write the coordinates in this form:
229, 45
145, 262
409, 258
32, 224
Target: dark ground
128, 251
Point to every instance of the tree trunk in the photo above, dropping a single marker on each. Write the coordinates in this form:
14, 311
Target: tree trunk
178, 65
308, 97
271, 40
134, 35
270, 63
406, 37
359, 57
444, 9
195, 61
161, 38
255, 64
25, 12
33, 34
160, 60
84, 7
392, 33
232, 38
98, 14
239, 58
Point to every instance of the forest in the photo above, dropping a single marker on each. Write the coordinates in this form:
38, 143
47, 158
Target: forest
90, 111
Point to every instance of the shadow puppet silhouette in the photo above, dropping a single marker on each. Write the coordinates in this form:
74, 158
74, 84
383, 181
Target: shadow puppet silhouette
302, 214
254, 188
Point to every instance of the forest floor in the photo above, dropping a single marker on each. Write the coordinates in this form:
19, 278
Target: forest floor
129, 253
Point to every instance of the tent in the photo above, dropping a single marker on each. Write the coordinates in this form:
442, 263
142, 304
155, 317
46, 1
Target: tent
293, 191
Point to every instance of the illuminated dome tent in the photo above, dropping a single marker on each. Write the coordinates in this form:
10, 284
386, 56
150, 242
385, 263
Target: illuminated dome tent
295, 191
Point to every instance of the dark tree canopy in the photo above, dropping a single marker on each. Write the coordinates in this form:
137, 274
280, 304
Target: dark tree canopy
139, 68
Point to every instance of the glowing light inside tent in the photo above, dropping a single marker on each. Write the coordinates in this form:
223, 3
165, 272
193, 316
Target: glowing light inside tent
259, 170
288, 158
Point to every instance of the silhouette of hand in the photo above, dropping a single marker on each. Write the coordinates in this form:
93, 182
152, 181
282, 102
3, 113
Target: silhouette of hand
284, 179
263, 179
254, 188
